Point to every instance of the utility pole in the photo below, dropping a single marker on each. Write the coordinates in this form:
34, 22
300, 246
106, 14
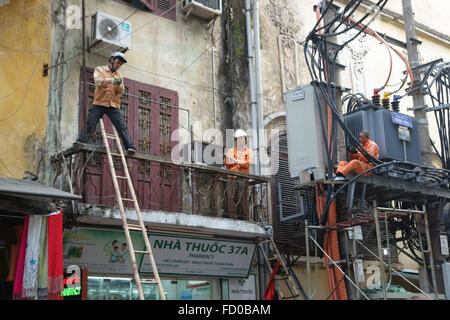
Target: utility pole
418, 95
433, 240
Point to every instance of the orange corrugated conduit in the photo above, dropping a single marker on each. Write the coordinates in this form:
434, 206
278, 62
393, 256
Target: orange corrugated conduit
330, 244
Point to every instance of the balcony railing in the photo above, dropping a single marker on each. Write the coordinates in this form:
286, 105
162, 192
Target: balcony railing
162, 185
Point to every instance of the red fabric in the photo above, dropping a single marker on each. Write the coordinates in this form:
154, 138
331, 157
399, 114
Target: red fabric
18, 280
55, 257
270, 290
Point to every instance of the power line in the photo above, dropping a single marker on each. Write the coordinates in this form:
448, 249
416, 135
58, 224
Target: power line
109, 45
25, 94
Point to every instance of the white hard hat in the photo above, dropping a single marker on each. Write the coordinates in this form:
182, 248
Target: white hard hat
118, 55
240, 133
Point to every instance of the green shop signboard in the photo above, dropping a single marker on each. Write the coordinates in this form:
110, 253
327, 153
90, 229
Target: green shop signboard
200, 256
106, 252
103, 251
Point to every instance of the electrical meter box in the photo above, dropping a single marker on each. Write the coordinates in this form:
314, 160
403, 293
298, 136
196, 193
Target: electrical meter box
306, 146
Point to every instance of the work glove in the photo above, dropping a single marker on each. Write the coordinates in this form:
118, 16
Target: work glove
352, 149
117, 81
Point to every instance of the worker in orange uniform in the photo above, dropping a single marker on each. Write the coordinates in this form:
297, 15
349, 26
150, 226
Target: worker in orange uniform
238, 159
359, 164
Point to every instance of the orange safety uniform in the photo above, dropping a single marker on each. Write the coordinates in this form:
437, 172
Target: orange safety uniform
359, 164
244, 155
107, 94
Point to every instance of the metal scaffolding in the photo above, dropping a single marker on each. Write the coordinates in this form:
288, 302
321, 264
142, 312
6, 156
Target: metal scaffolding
350, 225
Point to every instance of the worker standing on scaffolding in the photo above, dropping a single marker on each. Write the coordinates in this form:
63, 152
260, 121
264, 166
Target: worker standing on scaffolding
108, 89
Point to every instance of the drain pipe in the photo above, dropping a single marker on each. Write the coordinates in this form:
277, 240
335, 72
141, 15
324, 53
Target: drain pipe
253, 106
260, 110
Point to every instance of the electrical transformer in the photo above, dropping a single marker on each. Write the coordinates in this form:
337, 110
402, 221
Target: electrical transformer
362, 119
396, 134
307, 152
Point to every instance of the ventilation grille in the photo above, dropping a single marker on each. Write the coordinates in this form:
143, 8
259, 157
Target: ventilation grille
164, 4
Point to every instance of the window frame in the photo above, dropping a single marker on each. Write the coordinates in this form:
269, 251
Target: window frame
153, 186
154, 9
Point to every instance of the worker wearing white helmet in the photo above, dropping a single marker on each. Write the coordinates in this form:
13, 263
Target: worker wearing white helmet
108, 89
239, 157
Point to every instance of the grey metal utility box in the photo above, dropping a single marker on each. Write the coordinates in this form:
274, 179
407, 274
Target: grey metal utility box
307, 152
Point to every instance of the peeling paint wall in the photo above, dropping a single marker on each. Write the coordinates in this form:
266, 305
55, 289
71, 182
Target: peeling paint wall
23, 89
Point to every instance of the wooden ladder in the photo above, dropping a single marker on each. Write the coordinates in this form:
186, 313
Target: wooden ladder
284, 275
126, 226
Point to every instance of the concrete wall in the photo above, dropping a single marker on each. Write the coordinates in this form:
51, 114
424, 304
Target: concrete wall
24, 91
176, 55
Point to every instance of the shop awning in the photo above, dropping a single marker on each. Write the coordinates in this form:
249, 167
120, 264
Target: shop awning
29, 188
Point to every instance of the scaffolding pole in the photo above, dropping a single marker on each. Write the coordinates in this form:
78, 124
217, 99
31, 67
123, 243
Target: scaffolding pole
395, 271
380, 250
332, 261
430, 252
308, 270
380, 253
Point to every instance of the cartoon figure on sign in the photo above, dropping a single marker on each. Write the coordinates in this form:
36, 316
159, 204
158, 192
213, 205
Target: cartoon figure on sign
115, 256
123, 253
112, 251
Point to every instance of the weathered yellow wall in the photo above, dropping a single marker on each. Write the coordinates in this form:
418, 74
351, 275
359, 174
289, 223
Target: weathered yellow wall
24, 26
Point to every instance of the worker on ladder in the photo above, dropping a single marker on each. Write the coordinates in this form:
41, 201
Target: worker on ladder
108, 89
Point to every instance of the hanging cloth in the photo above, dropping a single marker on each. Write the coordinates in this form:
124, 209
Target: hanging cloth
43, 262
55, 284
18, 281
30, 272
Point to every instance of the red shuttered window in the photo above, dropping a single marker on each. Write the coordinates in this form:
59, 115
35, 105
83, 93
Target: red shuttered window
151, 116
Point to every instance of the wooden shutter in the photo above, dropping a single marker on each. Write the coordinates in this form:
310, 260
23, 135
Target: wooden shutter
150, 4
150, 124
166, 8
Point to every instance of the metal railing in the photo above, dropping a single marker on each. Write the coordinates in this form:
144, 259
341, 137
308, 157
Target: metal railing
163, 185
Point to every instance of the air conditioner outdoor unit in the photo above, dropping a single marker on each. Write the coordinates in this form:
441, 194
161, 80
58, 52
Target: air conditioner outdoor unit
110, 32
204, 9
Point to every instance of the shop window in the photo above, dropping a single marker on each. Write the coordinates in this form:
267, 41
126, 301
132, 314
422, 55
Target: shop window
105, 288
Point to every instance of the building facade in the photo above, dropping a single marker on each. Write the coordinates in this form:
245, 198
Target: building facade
186, 82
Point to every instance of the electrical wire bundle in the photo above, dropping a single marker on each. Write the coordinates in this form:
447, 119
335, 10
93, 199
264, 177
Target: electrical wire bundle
355, 101
438, 86
320, 56
322, 68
